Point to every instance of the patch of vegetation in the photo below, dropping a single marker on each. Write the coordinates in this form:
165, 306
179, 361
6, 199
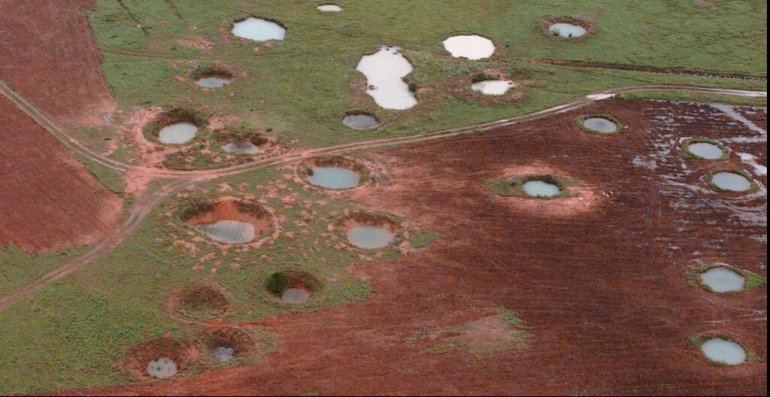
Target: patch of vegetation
18, 266
277, 283
423, 238
111, 179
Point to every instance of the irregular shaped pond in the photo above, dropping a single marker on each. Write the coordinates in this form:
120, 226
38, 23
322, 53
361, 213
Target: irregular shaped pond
229, 232
536, 188
384, 71
473, 47
731, 181
245, 147
360, 121
213, 82
258, 29
329, 8
224, 354
705, 150
370, 237
492, 87
162, 368
723, 351
722, 279
600, 125
334, 177
295, 295
566, 30
177, 133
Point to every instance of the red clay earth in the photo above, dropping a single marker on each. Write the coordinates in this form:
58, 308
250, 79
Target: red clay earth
55, 61
598, 278
48, 200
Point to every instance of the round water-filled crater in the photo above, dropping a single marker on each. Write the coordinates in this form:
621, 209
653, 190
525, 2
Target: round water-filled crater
159, 358
258, 29
532, 186
242, 141
370, 231
566, 28
228, 344
178, 126
292, 286
213, 76
360, 121
704, 149
600, 124
227, 220
734, 181
333, 172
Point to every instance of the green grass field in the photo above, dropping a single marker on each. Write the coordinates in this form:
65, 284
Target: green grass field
301, 87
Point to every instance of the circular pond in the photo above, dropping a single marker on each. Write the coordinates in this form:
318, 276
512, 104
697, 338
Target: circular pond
539, 188
566, 30
329, 8
705, 150
333, 177
177, 133
370, 237
731, 181
161, 368
213, 82
492, 87
723, 351
258, 29
473, 47
243, 147
295, 295
722, 279
223, 354
228, 220
360, 121
600, 125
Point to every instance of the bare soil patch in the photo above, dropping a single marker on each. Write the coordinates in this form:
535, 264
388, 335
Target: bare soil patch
48, 200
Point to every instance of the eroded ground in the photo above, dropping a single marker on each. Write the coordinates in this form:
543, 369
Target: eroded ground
598, 278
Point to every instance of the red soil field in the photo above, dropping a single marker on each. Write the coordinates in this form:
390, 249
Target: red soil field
598, 277
48, 200
50, 57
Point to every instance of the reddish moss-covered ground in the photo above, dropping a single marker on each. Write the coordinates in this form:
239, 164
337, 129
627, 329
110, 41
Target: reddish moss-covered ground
50, 56
598, 277
48, 200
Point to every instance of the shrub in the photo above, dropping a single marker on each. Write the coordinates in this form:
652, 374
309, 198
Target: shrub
413, 87
277, 283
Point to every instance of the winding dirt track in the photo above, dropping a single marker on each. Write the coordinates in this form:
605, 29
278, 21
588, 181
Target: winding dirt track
182, 179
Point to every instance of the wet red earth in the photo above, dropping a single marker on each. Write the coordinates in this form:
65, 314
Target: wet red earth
53, 59
48, 200
598, 277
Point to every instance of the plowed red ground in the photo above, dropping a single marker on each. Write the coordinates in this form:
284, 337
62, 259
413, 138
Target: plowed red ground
49, 55
598, 278
48, 201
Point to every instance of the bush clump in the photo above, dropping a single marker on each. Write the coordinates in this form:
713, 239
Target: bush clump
278, 282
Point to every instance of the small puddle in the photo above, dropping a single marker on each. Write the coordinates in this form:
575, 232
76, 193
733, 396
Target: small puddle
334, 177
722, 279
162, 368
731, 181
245, 147
540, 189
724, 351
360, 121
224, 354
600, 125
229, 232
473, 47
258, 29
492, 87
177, 133
384, 71
213, 82
566, 30
370, 237
705, 150
295, 295
329, 8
